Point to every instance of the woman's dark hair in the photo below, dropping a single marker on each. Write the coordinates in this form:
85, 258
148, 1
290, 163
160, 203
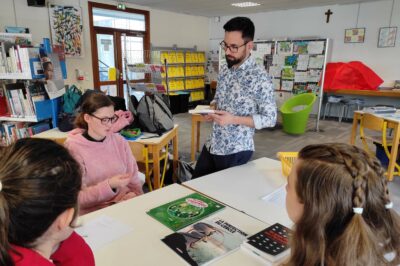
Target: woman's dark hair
39, 181
332, 179
92, 103
242, 24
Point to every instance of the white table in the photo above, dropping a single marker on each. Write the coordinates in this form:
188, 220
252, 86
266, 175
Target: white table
243, 187
143, 245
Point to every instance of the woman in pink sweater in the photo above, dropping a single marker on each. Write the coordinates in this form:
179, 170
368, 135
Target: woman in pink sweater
110, 172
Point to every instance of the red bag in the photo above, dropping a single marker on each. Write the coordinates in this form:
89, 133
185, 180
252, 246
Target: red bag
350, 76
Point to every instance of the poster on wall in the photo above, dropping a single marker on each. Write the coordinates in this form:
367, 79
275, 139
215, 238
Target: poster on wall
66, 29
355, 35
387, 37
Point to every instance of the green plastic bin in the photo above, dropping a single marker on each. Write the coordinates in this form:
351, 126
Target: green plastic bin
295, 113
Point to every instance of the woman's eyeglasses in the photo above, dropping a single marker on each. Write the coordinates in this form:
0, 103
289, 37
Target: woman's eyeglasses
107, 120
233, 48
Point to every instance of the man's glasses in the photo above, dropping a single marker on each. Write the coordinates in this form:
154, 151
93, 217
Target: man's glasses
107, 120
233, 48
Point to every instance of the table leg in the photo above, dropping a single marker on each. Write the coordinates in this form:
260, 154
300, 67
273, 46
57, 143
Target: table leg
193, 144
393, 153
198, 137
175, 154
356, 119
156, 166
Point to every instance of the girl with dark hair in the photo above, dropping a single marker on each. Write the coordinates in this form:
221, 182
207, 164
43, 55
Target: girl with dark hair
39, 186
110, 172
338, 198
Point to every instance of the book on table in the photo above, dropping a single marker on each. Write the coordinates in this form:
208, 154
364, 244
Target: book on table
184, 211
205, 241
271, 244
202, 109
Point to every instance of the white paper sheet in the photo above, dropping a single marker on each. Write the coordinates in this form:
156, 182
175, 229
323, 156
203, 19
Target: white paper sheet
278, 60
287, 85
278, 197
315, 47
275, 71
316, 61
302, 62
301, 77
277, 84
264, 48
102, 230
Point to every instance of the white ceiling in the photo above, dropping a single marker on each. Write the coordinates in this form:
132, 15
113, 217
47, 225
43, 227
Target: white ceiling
214, 8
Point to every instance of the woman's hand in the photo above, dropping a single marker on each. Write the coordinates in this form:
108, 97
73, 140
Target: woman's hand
119, 181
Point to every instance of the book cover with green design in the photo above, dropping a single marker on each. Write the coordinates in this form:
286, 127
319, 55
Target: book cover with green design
184, 211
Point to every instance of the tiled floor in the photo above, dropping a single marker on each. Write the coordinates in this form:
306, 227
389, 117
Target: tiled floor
269, 141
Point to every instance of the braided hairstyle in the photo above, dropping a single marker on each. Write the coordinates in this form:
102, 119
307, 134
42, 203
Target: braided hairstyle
332, 180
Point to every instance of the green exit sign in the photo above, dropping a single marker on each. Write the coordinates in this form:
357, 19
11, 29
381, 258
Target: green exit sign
121, 6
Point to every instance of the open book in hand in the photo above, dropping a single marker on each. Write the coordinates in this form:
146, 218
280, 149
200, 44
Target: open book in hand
271, 244
202, 109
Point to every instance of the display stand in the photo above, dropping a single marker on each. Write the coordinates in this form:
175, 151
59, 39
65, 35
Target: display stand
295, 66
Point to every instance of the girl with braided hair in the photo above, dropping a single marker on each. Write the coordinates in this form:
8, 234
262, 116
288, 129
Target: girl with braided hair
338, 198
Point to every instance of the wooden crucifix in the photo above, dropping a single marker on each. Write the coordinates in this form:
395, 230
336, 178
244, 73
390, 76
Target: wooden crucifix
328, 14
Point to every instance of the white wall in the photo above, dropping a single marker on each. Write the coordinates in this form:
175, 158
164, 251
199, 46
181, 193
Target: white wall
311, 22
167, 29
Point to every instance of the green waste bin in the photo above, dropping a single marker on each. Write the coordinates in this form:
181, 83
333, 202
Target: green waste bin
295, 113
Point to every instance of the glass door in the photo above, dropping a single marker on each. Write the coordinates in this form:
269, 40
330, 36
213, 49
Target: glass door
113, 31
107, 71
132, 50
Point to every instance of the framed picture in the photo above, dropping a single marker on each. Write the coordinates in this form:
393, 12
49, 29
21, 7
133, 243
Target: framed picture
387, 37
66, 29
354, 35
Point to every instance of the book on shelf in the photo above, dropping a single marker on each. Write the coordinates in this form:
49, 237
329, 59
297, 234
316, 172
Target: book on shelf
53, 74
12, 131
205, 241
19, 101
145, 68
149, 87
271, 244
14, 58
59, 50
34, 63
184, 211
3, 102
202, 109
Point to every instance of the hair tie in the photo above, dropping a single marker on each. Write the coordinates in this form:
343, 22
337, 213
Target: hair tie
358, 210
389, 205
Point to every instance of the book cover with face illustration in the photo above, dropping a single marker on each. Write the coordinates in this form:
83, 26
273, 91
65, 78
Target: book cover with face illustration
205, 241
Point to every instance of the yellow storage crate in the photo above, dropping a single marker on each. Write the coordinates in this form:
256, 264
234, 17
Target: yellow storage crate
287, 160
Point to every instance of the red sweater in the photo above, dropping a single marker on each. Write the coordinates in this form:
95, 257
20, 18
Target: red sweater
73, 251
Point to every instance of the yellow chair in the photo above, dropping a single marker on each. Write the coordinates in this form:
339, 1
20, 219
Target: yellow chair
287, 161
377, 129
145, 161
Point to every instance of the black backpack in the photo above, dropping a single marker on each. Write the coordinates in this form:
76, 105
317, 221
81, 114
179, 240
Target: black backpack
153, 114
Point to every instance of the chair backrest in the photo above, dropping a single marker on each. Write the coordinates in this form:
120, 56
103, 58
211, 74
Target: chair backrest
372, 122
306, 100
375, 124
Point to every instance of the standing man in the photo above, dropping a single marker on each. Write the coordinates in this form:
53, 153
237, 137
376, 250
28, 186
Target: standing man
244, 101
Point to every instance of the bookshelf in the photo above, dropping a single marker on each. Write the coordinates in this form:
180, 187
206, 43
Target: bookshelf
22, 105
186, 71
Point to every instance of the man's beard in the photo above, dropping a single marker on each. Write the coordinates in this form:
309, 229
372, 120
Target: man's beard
233, 62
